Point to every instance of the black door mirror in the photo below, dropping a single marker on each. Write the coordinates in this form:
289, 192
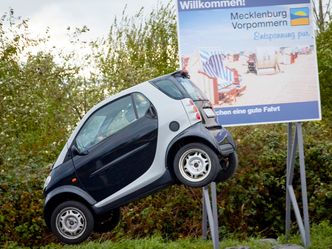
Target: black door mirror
76, 152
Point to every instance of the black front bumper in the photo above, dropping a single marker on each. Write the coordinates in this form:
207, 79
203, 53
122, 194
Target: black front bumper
225, 140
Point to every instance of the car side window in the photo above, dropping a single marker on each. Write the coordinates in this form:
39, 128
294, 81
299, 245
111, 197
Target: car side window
142, 104
106, 121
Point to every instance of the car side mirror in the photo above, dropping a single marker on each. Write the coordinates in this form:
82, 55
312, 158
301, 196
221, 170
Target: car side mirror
76, 152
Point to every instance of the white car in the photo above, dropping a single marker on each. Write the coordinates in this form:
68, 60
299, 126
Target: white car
132, 144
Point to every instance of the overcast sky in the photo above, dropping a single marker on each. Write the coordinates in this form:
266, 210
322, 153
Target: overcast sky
97, 15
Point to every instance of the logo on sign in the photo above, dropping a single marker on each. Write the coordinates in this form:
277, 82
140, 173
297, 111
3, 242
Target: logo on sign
299, 16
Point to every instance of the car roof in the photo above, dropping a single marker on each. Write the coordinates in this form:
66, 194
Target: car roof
138, 87
176, 73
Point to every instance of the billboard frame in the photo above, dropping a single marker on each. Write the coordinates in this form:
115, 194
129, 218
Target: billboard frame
294, 147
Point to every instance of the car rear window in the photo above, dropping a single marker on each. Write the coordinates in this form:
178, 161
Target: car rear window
169, 88
194, 92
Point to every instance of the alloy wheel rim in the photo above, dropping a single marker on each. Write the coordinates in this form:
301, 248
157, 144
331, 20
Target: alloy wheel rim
195, 165
71, 223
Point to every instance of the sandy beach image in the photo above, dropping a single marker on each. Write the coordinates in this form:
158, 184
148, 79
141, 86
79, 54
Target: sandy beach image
268, 75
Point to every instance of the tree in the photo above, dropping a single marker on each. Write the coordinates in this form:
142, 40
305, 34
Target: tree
40, 100
322, 13
324, 53
138, 48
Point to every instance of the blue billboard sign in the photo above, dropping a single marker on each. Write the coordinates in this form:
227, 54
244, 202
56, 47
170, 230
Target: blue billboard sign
255, 60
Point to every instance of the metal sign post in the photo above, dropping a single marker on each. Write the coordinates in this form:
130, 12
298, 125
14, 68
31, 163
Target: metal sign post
210, 214
295, 143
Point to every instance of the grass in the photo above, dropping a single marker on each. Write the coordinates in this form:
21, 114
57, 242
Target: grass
321, 238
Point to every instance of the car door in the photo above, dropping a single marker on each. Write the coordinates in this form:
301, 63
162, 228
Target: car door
116, 145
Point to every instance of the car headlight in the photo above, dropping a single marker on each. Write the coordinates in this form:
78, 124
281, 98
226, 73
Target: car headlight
47, 181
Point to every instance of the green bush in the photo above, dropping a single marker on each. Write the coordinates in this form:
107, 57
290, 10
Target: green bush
21, 208
251, 203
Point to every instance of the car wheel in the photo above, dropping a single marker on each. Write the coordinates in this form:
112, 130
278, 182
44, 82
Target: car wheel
196, 165
108, 223
72, 222
228, 167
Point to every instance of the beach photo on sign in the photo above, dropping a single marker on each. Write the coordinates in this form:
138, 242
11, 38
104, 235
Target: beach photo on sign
266, 74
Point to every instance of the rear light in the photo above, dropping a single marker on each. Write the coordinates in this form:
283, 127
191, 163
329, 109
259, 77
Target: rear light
192, 110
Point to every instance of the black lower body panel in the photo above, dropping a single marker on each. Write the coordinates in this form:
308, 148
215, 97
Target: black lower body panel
153, 187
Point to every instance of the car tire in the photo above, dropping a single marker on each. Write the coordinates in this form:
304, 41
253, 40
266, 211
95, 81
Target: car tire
196, 165
109, 222
72, 222
228, 167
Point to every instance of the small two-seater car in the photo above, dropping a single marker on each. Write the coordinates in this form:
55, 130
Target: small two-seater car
132, 144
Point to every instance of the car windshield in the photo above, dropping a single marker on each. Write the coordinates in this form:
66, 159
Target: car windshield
194, 92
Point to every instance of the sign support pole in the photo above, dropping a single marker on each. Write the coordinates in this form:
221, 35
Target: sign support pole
210, 215
295, 143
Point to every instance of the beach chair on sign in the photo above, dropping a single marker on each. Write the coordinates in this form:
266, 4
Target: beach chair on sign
227, 91
227, 80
